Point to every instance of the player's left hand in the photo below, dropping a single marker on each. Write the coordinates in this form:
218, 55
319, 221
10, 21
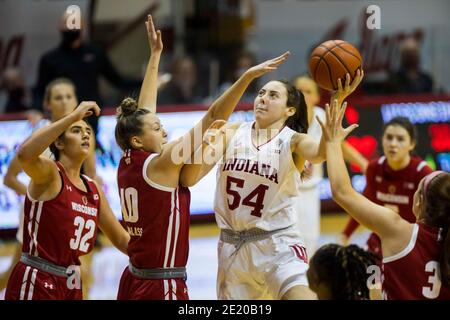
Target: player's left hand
154, 36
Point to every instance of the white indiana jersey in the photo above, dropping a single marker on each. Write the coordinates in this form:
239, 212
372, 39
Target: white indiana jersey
256, 186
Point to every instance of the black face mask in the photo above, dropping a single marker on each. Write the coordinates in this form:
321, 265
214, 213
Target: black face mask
70, 36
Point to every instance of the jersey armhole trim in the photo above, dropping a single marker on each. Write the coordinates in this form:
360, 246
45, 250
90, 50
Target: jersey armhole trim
147, 179
421, 165
408, 249
57, 195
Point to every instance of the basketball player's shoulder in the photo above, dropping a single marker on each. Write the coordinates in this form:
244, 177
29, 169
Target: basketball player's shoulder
419, 166
375, 164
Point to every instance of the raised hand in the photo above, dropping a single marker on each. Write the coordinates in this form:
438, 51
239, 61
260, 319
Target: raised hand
86, 109
267, 66
154, 36
344, 92
332, 130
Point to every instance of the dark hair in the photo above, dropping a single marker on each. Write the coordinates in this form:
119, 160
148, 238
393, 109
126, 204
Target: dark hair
437, 214
51, 84
54, 150
129, 122
344, 270
298, 121
405, 123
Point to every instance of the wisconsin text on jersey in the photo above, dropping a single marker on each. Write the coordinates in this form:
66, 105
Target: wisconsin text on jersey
394, 198
84, 209
252, 167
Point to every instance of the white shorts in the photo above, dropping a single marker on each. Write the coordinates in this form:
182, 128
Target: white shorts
264, 269
307, 204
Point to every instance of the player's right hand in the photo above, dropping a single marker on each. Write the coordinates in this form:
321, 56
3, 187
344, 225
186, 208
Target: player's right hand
267, 66
86, 109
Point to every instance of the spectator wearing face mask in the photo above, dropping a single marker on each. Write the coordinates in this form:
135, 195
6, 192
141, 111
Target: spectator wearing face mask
410, 78
82, 63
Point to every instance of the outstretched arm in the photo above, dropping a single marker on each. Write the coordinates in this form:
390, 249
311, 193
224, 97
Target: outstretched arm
215, 142
383, 221
353, 156
220, 109
148, 94
11, 180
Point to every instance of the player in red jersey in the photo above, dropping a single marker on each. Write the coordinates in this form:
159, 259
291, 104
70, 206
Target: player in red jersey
62, 211
393, 178
416, 256
155, 207
60, 99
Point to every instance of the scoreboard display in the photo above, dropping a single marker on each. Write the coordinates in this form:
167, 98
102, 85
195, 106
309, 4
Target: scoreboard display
432, 118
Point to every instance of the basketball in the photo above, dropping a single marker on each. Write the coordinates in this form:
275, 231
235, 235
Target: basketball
331, 60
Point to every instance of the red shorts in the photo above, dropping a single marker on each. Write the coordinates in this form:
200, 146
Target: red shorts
134, 288
28, 283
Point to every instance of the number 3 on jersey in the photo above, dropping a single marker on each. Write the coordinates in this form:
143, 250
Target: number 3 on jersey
129, 204
259, 192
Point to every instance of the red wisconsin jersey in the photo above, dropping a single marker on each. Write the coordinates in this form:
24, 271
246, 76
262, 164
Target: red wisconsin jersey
395, 189
64, 228
156, 217
414, 273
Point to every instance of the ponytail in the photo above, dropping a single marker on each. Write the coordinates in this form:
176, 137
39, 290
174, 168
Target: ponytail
299, 120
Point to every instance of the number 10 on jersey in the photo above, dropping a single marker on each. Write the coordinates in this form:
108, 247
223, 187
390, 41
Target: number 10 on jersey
129, 204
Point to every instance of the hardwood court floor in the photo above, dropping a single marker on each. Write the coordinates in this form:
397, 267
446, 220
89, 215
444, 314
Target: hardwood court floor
107, 263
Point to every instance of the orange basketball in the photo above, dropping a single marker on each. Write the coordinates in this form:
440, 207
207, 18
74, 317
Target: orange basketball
332, 60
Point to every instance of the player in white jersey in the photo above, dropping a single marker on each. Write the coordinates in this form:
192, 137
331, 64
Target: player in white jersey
261, 253
308, 201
